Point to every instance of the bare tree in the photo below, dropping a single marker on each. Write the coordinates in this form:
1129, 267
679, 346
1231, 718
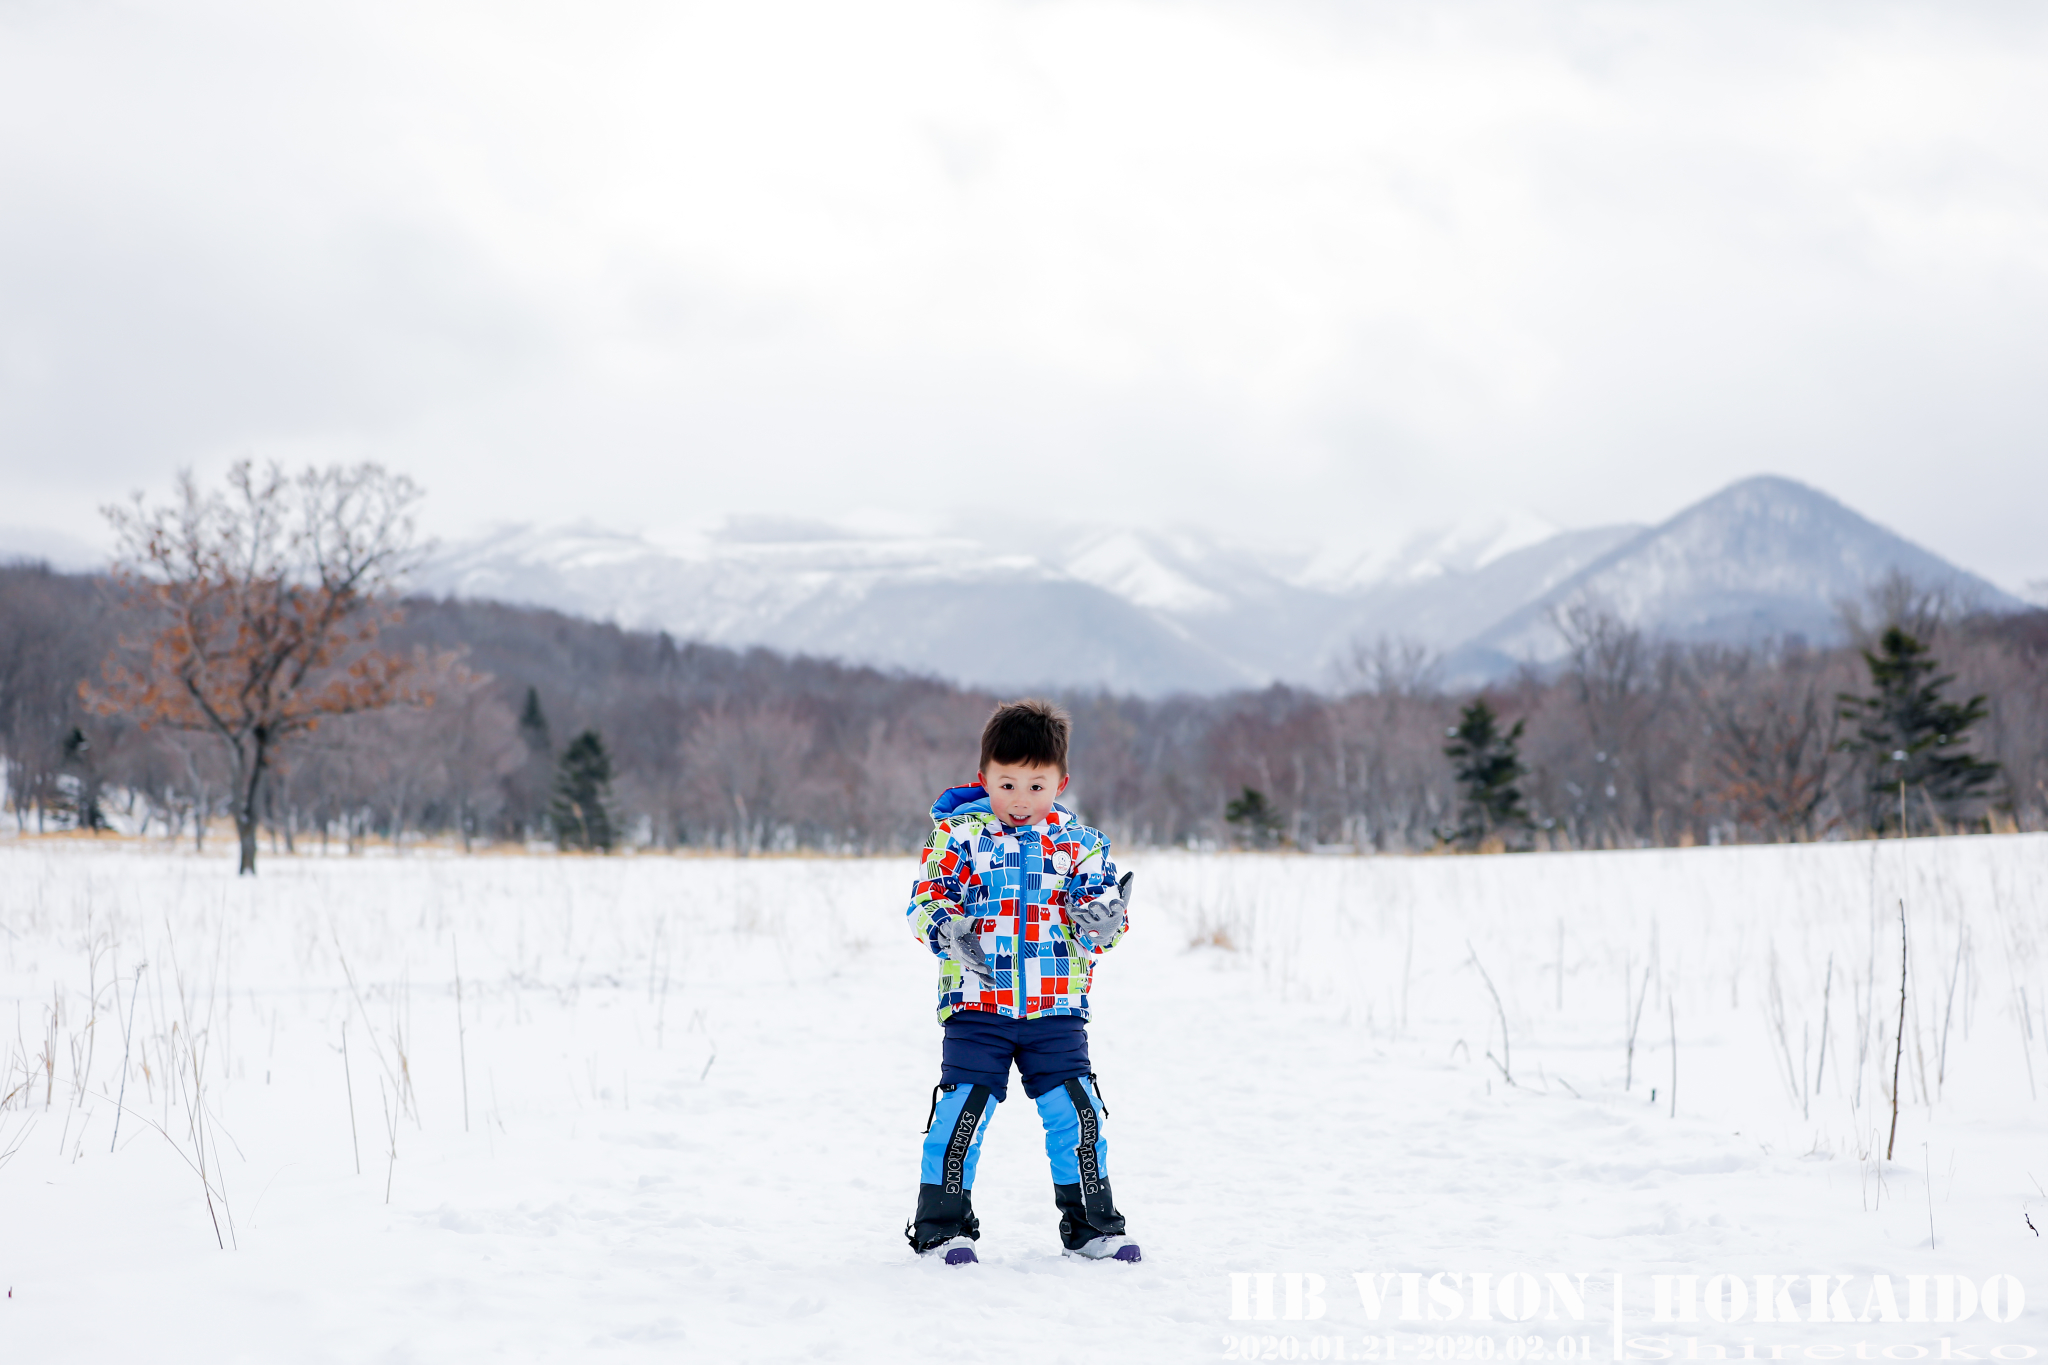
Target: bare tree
1897, 599
899, 774
403, 760
1771, 727
263, 606
1386, 734
479, 744
752, 761
1388, 666
1621, 684
2014, 673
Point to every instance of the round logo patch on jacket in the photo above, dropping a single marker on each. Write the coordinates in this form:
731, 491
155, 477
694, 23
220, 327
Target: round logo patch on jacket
1062, 863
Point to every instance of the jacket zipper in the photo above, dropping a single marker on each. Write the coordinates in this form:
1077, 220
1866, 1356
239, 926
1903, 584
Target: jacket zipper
1017, 983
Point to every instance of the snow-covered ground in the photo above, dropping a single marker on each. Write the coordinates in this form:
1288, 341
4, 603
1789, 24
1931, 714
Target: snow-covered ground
677, 1112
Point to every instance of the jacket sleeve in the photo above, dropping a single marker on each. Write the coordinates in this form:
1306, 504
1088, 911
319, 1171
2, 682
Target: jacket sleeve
1094, 877
944, 873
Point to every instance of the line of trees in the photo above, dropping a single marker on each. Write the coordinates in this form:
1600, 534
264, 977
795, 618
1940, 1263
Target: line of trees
1629, 743
492, 722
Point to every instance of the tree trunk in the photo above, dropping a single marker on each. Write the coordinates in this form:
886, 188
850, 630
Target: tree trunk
245, 831
250, 790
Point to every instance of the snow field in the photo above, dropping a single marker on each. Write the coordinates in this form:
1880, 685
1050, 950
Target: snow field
695, 1089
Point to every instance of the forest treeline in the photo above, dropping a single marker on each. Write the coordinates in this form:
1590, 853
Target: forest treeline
1628, 742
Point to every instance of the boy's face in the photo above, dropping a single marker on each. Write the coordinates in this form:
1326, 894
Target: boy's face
1021, 794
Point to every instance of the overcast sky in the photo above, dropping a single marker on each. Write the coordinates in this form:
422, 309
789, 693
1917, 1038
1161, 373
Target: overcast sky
1299, 269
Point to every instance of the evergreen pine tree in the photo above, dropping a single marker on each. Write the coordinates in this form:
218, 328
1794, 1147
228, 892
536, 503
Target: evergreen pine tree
1912, 741
1256, 814
529, 787
581, 810
1487, 762
533, 724
79, 786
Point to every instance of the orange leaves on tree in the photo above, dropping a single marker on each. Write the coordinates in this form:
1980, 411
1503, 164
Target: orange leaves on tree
262, 606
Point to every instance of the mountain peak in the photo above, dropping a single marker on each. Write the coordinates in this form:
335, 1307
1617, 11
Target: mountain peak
1766, 556
1771, 495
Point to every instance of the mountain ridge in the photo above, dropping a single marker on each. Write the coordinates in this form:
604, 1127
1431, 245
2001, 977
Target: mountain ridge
1159, 612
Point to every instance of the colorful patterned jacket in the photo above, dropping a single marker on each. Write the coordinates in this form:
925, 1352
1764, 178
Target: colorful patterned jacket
1018, 882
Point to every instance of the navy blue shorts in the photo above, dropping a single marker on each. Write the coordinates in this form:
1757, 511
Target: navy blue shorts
980, 1047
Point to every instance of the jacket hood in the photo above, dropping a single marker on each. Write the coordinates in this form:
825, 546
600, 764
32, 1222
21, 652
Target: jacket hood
972, 799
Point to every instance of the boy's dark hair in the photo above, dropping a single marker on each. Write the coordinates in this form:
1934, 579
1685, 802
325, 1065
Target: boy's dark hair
1031, 732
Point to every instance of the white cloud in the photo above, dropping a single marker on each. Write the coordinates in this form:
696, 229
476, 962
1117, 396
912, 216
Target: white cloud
1283, 267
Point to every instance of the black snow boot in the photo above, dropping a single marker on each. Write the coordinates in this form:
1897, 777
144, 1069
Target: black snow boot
1084, 1217
941, 1217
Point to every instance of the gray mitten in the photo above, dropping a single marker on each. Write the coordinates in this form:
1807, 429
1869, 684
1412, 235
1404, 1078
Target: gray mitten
963, 945
1097, 922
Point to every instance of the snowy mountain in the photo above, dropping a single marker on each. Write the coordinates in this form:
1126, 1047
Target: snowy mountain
1764, 557
905, 602
1157, 612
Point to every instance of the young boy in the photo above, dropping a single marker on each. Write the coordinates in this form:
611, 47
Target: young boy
1017, 900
